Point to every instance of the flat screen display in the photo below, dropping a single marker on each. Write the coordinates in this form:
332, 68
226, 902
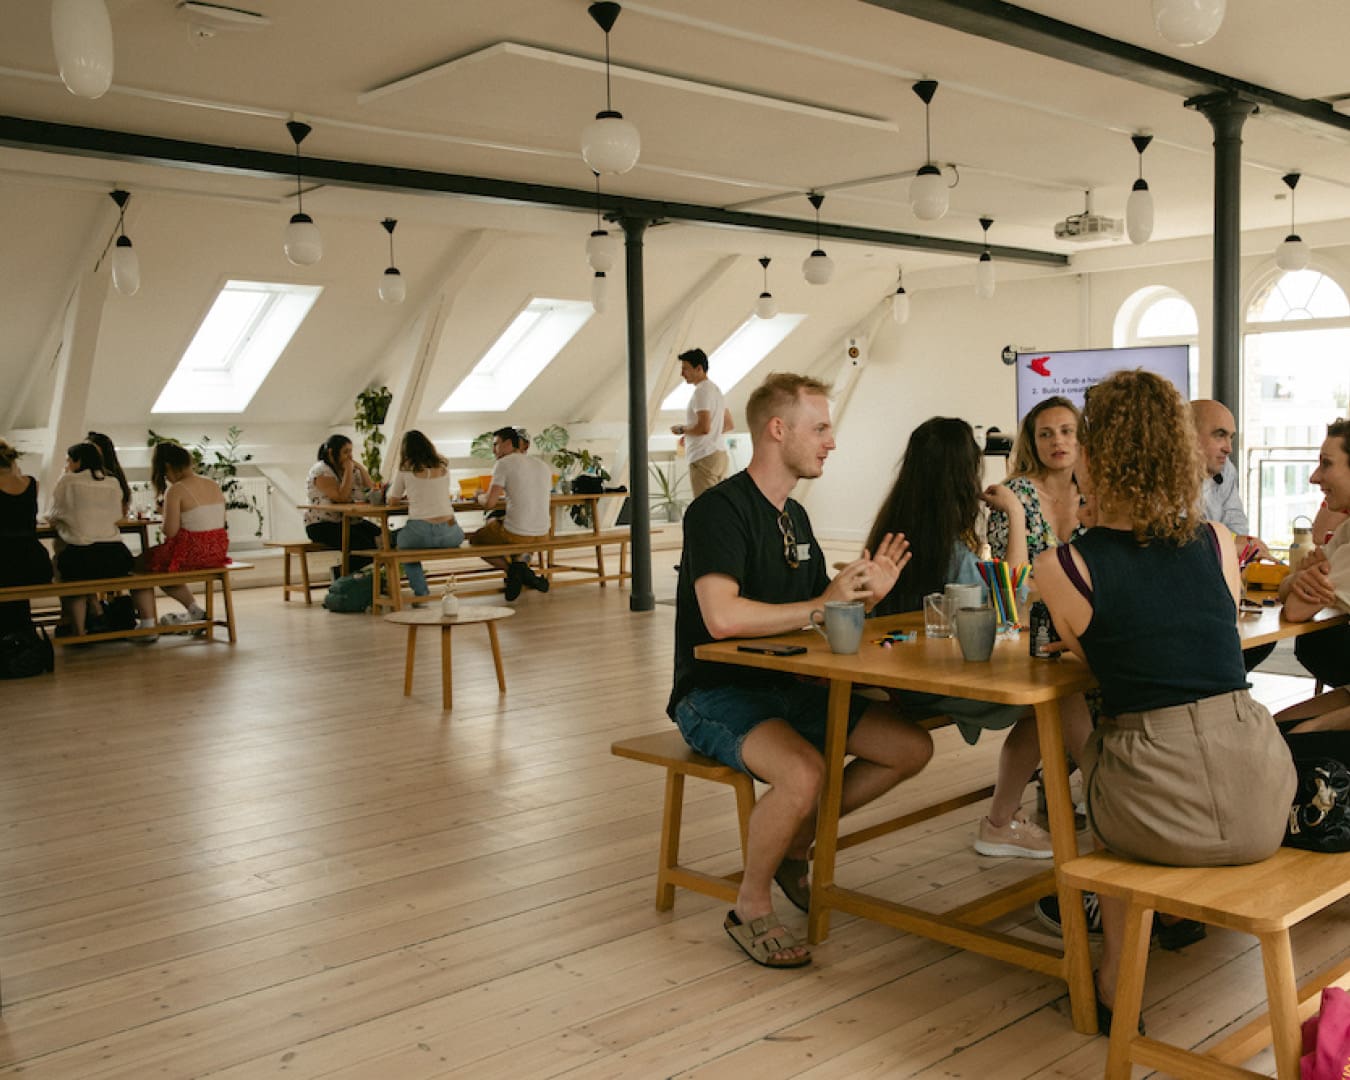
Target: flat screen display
1070, 374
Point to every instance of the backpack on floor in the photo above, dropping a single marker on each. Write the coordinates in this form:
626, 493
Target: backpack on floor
355, 592
25, 653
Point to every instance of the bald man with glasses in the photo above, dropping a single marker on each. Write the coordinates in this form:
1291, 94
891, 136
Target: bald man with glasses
751, 567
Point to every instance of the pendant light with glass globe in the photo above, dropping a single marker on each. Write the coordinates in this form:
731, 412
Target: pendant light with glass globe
766, 307
1139, 206
900, 301
817, 267
82, 40
984, 269
609, 143
602, 246
1293, 253
928, 196
303, 244
393, 289
126, 268
1188, 22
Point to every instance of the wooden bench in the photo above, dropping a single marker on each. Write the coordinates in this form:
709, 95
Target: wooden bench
1264, 899
300, 549
669, 750
207, 577
388, 590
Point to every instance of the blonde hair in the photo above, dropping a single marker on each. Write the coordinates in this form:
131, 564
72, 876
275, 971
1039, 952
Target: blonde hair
1142, 455
779, 391
1025, 461
8, 455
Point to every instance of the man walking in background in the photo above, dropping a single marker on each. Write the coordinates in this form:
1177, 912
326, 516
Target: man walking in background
707, 420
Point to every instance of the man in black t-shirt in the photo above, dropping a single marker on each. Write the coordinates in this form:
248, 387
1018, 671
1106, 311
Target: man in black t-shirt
751, 567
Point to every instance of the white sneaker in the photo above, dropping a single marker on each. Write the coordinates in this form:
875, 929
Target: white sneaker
147, 639
175, 618
1017, 839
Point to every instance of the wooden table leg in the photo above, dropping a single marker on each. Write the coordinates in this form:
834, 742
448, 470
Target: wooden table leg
599, 548
1129, 991
1282, 996
445, 666
408, 663
228, 597
1064, 840
496, 656
827, 816
346, 544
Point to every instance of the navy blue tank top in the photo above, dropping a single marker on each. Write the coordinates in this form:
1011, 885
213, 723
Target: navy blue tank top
1164, 625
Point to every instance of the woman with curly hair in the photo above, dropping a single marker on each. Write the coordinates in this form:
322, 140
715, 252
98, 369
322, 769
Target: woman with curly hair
1042, 478
1148, 597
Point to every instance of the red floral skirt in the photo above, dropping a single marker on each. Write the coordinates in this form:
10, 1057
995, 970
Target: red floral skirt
190, 551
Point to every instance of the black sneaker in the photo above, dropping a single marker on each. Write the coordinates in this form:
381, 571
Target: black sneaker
1047, 911
538, 581
1175, 936
515, 579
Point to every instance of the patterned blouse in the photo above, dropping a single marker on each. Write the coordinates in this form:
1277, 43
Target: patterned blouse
1040, 534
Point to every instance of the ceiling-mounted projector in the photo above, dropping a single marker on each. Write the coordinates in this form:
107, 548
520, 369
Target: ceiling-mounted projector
1087, 226
211, 17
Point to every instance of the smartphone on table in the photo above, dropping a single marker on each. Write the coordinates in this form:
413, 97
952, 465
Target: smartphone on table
769, 649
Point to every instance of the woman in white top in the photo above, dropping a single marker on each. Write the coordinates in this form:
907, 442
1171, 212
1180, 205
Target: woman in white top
424, 481
194, 526
86, 507
337, 477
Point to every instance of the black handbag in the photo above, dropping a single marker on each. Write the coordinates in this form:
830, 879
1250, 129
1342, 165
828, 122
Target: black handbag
25, 653
1319, 819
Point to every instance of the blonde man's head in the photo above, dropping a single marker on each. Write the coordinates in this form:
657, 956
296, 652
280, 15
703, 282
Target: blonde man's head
778, 395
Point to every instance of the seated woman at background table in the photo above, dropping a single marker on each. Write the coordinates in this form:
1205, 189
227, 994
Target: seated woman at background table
112, 466
935, 503
1041, 477
1184, 768
86, 507
194, 526
423, 481
332, 479
23, 559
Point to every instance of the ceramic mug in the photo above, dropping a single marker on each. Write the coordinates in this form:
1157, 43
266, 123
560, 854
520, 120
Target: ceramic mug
975, 628
843, 624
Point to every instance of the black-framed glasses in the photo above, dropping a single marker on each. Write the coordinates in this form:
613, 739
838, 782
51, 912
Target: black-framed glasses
789, 540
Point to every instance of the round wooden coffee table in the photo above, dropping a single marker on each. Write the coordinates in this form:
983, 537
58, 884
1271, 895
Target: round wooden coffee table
431, 616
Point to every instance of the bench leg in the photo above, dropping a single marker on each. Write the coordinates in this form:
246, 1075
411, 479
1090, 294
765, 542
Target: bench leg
745, 803
211, 609
1282, 995
228, 597
304, 573
446, 670
1129, 991
286, 579
670, 839
496, 655
408, 663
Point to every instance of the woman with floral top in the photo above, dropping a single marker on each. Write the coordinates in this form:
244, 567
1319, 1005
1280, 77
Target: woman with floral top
1043, 461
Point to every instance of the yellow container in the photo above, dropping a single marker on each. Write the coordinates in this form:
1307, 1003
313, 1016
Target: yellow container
1265, 576
468, 489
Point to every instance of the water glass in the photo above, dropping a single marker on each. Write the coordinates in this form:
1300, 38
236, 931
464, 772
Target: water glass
938, 609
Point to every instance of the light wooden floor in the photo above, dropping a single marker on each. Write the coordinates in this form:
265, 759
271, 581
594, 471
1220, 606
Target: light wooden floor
262, 861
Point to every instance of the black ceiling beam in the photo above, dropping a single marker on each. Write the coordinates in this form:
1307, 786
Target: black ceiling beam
1029, 30
28, 134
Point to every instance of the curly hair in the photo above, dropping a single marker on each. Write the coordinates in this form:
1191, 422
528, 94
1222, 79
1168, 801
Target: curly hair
1142, 456
935, 502
1025, 460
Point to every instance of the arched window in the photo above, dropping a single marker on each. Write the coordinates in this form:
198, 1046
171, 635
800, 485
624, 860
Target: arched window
1295, 380
1157, 315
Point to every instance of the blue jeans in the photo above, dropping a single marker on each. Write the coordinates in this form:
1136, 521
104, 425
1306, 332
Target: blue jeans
426, 534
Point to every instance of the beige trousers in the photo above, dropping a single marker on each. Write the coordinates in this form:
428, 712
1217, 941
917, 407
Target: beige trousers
707, 471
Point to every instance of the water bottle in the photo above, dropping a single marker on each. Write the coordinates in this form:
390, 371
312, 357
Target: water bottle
1303, 542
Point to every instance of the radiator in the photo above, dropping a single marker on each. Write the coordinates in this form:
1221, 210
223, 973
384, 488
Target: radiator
243, 524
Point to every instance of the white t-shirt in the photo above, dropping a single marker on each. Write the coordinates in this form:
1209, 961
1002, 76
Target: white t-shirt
314, 495
86, 511
706, 398
1338, 552
526, 481
428, 496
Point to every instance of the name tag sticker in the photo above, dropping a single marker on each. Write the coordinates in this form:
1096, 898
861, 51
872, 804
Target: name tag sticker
803, 552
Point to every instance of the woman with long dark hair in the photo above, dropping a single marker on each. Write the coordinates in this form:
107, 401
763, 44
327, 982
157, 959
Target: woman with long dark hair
332, 479
1041, 475
935, 502
112, 466
424, 481
1184, 768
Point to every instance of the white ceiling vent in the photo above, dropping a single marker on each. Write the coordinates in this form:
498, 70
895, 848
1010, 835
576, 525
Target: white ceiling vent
1085, 227
207, 19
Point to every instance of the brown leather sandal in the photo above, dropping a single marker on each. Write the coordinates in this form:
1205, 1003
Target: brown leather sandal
761, 938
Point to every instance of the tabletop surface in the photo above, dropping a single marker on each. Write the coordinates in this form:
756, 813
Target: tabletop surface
935, 665
431, 615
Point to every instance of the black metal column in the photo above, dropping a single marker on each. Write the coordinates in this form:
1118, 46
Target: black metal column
639, 508
1226, 114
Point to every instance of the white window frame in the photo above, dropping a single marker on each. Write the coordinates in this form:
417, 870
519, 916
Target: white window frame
726, 367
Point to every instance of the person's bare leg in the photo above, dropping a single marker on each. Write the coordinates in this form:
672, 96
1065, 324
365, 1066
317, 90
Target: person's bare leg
181, 593
1017, 762
73, 609
145, 603
795, 772
1326, 712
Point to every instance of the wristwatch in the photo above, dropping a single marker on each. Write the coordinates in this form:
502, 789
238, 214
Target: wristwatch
679, 429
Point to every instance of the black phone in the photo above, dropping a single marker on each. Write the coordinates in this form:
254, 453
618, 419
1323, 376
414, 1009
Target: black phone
773, 650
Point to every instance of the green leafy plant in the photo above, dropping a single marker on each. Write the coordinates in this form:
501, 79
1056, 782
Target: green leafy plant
372, 406
665, 493
481, 447
220, 462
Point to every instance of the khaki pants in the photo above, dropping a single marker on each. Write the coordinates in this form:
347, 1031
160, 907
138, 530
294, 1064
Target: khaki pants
707, 471
494, 532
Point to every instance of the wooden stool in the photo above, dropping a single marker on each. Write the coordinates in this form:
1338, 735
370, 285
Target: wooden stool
300, 549
1263, 899
412, 618
669, 750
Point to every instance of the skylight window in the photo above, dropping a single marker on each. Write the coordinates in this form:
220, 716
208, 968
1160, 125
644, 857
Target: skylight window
245, 332
539, 333
736, 357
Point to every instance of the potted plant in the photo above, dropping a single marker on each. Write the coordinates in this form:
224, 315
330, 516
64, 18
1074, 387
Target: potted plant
222, 467
372, 406
665, 493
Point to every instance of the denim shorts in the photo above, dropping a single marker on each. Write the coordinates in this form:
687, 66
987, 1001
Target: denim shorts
715, 720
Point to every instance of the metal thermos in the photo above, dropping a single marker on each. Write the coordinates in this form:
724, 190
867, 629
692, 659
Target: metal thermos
1302, 544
